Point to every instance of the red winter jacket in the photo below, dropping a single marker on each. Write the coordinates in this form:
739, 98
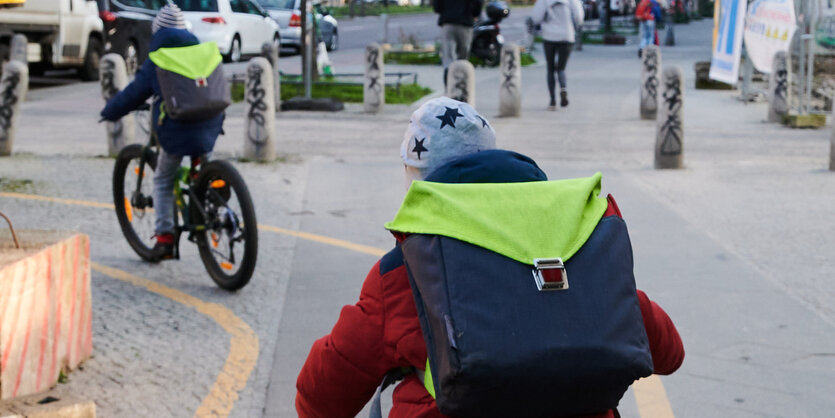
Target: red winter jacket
381, 332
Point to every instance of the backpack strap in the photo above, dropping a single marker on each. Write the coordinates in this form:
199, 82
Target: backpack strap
392, 377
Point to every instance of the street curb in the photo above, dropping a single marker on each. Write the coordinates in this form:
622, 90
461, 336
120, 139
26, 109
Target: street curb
45, 405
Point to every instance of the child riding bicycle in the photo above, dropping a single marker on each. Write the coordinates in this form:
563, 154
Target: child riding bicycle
177, 138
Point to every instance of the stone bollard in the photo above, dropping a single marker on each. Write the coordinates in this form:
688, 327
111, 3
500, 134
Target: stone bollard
17, 49
650, 65
374, 86
460, 82
669, 139
778, 87
13, 86
113, 76
260, 111
269, 51
510, 95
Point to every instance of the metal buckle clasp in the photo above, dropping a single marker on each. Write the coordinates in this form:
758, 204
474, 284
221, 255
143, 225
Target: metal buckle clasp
549, 274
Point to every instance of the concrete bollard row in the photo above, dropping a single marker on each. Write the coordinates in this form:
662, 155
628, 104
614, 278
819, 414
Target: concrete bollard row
113, 76
17, 49
778, 87
270, 52
510, 96
259, 144
460, 82
650, 66
13, 86
669, 138
374, 85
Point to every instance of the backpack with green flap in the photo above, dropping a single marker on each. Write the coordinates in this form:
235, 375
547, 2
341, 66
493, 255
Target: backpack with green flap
192, 82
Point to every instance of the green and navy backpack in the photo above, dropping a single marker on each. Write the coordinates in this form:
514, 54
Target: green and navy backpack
525, 295
192, 82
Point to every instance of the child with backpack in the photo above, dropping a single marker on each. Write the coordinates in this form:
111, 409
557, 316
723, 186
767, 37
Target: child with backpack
188, 127
412, 320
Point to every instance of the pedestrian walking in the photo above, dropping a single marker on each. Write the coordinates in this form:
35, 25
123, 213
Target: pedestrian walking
557, 18
647, 13
456, 19
382, 336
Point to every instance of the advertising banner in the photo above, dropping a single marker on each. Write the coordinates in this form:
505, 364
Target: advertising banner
768, 29
724, 65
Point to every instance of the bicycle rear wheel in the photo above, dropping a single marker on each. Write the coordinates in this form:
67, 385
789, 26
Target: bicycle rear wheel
229, 243
135, 206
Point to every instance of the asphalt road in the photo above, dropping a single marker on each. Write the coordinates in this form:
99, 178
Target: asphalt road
358, 32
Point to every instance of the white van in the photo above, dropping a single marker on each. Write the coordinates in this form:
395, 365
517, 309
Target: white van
61, 34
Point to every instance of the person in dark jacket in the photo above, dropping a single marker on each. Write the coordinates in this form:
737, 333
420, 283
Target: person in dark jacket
448, 142
456, 19
177, 138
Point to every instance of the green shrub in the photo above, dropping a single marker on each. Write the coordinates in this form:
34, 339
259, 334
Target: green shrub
348, 93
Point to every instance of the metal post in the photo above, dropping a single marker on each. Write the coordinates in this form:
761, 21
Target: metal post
308, 51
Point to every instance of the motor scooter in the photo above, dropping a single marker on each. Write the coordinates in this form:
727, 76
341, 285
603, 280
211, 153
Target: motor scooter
487, 38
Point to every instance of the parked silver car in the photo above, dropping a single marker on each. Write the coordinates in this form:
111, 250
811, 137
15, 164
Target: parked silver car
289, 17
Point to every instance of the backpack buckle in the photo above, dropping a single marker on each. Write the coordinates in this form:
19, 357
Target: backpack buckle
549, 274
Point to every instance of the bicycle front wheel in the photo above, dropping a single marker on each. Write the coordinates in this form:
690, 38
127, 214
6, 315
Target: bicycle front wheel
133, 197
228, 243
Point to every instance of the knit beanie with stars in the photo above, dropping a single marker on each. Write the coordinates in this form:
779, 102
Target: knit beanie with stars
440, 131
169, 16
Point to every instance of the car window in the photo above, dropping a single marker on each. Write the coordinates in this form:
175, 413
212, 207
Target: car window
252, 8
142, 4
238, 6
157, 4
197, 5
278, 4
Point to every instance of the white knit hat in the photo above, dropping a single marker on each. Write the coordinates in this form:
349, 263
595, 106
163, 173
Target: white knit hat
440, 131
169, 16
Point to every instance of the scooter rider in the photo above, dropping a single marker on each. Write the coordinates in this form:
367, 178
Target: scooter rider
456, 18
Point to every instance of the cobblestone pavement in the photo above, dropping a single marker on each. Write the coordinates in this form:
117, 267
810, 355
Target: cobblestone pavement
736, 246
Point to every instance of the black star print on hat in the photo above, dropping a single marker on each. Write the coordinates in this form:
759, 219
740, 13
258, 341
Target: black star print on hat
448, 118
419, 147
483, 122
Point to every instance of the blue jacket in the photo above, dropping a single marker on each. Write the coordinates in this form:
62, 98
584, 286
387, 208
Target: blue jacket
175, 137
491, 166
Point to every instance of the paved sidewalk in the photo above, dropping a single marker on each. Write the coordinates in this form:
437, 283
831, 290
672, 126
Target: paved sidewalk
737, 246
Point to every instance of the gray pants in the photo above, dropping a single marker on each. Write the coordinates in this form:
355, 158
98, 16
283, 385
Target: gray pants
455, 43
164, 178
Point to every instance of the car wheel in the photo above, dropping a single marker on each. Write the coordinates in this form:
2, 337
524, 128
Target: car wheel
333, 42
131, 55
90, 70
234, 50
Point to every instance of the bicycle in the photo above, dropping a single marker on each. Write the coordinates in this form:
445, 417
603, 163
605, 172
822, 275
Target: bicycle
205, 194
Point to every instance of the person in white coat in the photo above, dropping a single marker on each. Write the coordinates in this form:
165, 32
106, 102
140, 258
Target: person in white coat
557, 19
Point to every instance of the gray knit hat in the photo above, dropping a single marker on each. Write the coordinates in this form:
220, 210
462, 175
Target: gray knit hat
169, 16
442, 130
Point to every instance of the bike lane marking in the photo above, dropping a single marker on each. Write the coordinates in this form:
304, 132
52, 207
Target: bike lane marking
650, 395
243, 342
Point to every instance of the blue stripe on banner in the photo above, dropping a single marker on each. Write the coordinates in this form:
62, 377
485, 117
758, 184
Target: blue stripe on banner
729, 47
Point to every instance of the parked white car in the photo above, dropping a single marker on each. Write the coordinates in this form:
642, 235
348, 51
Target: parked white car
239, 27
